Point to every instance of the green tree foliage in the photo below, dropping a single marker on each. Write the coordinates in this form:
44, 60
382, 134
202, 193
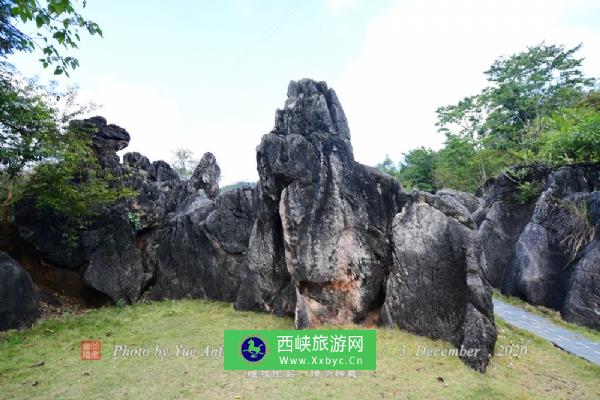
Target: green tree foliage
11, 39
456, 165
29, 126
42, 157
71, 182
523, 87
570, 135
58, 28
415, 170
538, 108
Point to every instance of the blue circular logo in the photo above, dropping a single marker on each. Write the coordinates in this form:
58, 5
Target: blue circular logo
253, 349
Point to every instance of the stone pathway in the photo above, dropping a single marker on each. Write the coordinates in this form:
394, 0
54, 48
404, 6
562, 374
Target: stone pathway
565, 339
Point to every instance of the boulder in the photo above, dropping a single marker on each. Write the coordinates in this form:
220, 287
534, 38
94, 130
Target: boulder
545, 250
19, 299
437, 285
106, 140
114, 263
122, 251
45, 231
467, 200
503, 217
582, 302
201, 252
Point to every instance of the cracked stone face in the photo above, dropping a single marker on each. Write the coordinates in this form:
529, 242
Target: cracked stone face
437, 287
335, 241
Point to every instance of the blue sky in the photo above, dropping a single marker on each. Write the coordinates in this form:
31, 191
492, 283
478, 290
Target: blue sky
208, 75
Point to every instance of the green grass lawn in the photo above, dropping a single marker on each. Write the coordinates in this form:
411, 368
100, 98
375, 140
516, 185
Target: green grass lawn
550, 314
44, 362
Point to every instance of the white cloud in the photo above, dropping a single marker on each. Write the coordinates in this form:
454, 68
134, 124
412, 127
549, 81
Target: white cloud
421, 55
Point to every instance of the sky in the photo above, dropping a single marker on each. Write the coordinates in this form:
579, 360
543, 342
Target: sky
209, 75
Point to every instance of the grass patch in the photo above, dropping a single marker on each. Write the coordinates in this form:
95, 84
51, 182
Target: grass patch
550, 314
43, 362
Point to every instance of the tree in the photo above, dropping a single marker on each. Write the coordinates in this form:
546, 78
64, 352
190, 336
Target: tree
389, 167
58, 24
415, 170
11, 39
524, 86
570, 135
184, 162
539, 107
39, 155
456, 166
42, 157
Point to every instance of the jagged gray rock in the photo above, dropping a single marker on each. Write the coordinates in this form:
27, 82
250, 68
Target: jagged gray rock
123, 253
114, 263
206, 176
537, 257
317, 237
502, 218
323, 237
469, 201
201, 251
19, 300
437, 285
323, 218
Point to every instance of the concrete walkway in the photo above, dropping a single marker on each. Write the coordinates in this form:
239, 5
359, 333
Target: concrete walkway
565, 339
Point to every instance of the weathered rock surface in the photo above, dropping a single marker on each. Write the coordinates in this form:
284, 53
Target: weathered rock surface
329, 233
546, 250
113, 262
467, 200
19, 306
321, 237
206, 176
323, 218
502, 218
437, 285
201, 251
174, 239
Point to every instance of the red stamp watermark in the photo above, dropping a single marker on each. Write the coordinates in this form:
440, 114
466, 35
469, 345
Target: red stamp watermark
91, 350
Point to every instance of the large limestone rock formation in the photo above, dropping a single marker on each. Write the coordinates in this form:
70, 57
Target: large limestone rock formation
321, 237
502, 218
19, 302
322, 230
437, 285
547, 247
201, 250
341, 240
206, 176
174, 239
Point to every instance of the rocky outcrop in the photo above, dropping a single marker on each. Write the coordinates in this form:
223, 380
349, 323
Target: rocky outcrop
206, 176
335, 237
106, 140
437, 285
201, 251
321, 237
122, 252
546, 247
19, 302
113, 264
503, 216
323, 217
